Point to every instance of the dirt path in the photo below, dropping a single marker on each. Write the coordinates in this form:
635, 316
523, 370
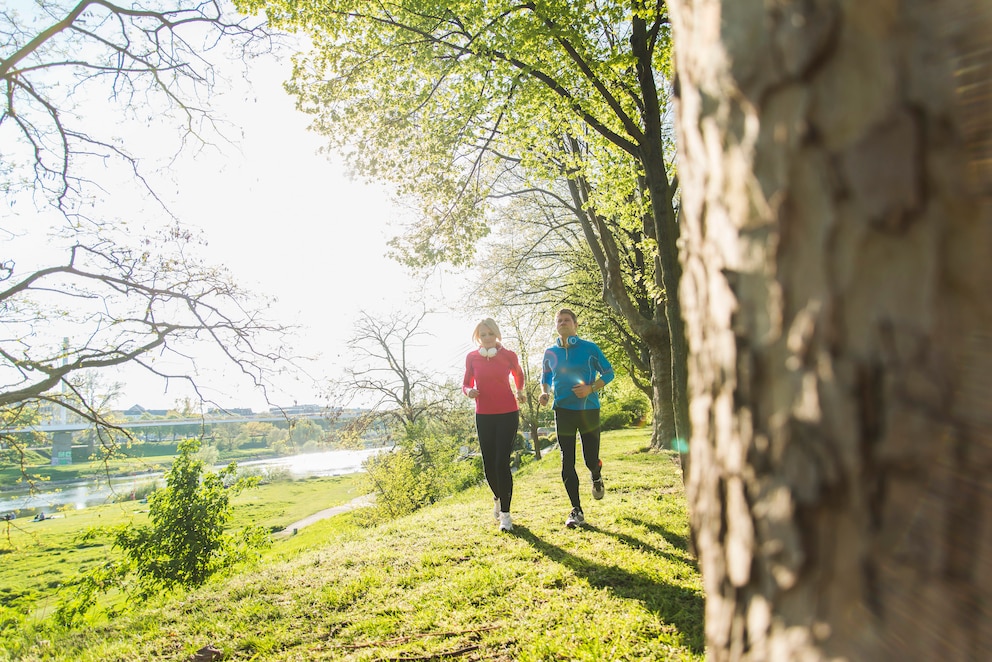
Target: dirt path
357, 502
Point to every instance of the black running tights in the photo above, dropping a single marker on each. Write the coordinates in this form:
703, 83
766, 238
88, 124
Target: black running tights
497, 433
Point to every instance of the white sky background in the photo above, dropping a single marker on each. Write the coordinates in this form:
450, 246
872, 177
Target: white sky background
290, 224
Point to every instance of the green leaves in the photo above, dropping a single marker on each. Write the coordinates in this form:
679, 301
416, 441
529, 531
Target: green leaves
444, 99
186, 541
424, 469
184, 545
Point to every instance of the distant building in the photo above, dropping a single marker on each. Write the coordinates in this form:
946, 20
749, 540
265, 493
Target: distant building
137, 411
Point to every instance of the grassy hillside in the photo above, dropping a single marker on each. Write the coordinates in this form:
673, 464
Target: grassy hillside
443, 583
37, 557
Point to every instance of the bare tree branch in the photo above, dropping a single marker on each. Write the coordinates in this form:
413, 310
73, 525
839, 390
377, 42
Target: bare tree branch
55, 64
383, 369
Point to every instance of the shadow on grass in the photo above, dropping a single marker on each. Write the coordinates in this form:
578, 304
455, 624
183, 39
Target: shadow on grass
674, 605
680, 543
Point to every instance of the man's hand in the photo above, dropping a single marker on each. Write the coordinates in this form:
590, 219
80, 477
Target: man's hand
472, 393
543, 400
582, 390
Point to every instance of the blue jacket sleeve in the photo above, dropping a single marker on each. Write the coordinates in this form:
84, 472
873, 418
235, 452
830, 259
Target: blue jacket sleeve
604, 367
546, 368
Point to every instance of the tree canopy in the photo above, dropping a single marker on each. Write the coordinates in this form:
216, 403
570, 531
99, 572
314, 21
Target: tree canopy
463, 104
446, 99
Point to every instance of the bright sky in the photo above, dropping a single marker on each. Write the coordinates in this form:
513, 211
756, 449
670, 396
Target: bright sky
290, 224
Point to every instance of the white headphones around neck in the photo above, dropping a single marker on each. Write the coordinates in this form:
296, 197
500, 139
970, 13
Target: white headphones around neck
571, 341
488, 352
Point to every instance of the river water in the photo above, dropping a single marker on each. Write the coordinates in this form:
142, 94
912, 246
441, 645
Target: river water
81, 494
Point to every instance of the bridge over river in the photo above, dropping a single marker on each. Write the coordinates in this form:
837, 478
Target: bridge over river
83, 493
62, 432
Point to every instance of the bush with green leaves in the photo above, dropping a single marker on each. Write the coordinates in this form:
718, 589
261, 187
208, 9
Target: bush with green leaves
137, 492
185, 543
427, 466
210, 455
624, 407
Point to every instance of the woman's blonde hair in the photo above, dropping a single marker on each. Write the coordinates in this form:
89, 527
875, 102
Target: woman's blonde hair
490, 324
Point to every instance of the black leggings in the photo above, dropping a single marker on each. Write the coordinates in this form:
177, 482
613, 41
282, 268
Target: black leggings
570, 423
497, 432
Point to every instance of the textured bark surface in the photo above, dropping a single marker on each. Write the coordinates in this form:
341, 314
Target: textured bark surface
837, 255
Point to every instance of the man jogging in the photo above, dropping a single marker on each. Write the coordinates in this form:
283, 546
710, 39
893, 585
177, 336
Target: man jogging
575, 370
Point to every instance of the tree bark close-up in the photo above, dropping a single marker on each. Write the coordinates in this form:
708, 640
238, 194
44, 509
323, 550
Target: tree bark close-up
834, 169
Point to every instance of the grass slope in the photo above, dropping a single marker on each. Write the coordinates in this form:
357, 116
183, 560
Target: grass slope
37, 557
443, 583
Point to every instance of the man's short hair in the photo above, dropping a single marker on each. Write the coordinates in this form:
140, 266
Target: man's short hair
570, 313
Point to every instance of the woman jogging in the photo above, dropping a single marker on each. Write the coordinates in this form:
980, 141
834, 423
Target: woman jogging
497, 416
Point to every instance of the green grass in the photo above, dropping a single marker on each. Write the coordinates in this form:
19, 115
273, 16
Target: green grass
275, 506
443, 583
36, 557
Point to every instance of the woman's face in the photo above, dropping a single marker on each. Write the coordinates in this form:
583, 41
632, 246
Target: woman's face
487, 337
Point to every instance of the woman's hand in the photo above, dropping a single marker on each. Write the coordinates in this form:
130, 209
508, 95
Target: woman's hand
472, 393
521, 397
543, 400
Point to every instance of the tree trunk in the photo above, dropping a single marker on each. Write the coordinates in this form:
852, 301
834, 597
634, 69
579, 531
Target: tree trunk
536, 437
837, 227
529, 414
668, 271
662, 397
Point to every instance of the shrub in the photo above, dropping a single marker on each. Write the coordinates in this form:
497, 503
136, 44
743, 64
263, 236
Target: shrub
624, 408
210, 455
423, 470
185, 543
614, 418
137, 492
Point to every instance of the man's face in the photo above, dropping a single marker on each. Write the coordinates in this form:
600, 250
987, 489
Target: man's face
565, 325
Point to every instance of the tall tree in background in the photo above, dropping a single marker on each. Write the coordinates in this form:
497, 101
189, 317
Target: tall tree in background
67, 66
384, 376
835, 167
448, 99
535, 261
537, 257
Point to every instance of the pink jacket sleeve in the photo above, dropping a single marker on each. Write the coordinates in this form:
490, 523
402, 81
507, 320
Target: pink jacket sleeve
468, 382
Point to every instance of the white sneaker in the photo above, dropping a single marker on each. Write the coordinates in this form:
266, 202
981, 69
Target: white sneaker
505, 523
575, 518
598, 489
495, 507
